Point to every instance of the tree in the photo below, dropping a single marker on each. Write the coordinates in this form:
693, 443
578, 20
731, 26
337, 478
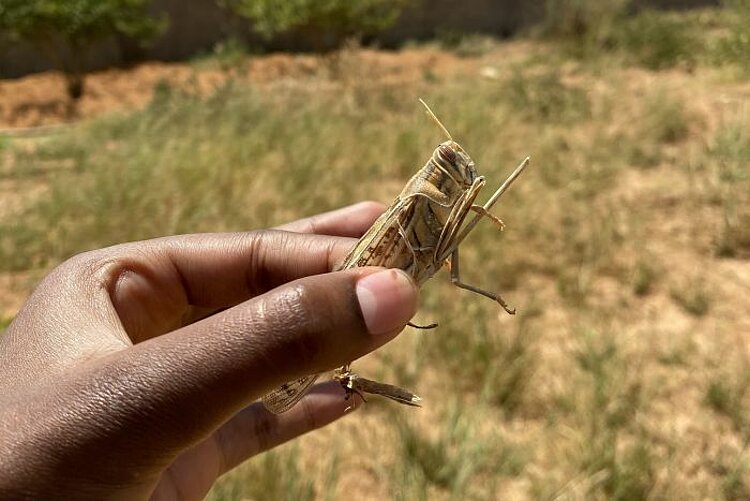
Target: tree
325, 22
66, 30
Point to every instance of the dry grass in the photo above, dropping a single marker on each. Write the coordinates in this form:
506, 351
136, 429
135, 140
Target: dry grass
625, 374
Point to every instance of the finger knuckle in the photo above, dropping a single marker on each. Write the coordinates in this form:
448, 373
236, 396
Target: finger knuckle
306, 314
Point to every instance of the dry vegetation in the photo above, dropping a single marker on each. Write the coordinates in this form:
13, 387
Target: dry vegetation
626, 374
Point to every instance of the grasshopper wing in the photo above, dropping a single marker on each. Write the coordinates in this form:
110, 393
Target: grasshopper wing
287, 395
359, 384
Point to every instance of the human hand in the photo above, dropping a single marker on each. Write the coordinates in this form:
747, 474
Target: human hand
131, 371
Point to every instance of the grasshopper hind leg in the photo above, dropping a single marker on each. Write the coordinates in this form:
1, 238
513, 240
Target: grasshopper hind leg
456, 280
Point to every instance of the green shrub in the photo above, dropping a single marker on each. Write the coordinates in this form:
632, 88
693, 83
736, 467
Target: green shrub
586, 23
65, 30
323, 22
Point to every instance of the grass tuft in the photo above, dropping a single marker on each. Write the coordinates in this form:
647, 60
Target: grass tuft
497, 363
452, 459
693, 297
229, 56
726, 393
732, 150
5, 323
657, 40
465, 44
276, 475
643, 278
666, 119
734, 46
545, 97
644, 37
615, 397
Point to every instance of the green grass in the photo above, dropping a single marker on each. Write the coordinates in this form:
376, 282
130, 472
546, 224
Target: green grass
237, 160
731, 147
229, 55
648, 38
736, 486
644, 276
455, 460
666, 120
213, 161
693, 297
726, 394
732, 48
465, 44
278, 475
657, 40
4, 323
613, 403
545, 97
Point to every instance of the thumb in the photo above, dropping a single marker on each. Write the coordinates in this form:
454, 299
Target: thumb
194, 379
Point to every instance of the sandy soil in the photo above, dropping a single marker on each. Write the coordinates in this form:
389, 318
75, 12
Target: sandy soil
40, 100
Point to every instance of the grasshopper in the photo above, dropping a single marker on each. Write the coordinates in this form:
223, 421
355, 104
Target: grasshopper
419, 233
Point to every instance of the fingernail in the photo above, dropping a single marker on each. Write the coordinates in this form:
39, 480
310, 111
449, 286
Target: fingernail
388, 300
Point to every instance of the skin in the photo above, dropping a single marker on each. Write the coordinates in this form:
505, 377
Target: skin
131, 371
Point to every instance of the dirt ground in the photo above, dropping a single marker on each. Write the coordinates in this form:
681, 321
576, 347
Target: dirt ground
40, 100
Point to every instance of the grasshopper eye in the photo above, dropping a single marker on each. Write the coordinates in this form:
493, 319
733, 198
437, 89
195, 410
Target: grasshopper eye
447, 153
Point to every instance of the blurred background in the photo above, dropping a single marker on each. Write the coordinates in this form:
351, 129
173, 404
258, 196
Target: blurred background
626, 373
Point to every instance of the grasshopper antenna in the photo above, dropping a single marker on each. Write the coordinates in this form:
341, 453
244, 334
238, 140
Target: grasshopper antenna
436, 120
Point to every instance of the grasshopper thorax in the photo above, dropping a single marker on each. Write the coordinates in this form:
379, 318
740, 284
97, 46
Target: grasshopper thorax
453, 160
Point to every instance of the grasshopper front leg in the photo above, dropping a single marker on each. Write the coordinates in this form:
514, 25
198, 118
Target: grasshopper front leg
456, 280
484, 212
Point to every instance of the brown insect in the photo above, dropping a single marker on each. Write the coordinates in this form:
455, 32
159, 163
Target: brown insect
419, 233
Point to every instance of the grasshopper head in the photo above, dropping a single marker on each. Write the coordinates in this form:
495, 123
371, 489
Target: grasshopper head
456, 162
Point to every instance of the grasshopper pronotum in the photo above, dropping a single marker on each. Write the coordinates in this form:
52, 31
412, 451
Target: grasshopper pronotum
419, 233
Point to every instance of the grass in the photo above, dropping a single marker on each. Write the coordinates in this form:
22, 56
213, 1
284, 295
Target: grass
545, 97
645, 275
732, 48
651, 39
229, 56
667, 121
453, 458
277, 475
4, 323
465, 44
625, 251
732, 181
727, 392
656, 40
613, 403
451, 461
693, 297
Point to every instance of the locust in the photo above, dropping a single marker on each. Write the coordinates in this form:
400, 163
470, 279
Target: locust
419, 233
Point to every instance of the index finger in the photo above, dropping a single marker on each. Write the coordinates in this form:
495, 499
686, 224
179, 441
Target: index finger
352, 221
